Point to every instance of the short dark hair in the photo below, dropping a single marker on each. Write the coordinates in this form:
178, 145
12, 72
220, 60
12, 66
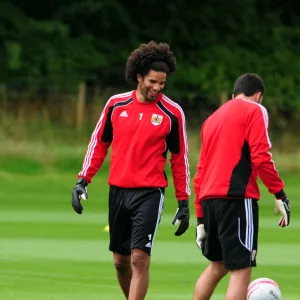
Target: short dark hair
248, 84
151, 56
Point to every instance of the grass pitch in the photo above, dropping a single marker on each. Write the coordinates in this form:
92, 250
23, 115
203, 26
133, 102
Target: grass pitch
48, 252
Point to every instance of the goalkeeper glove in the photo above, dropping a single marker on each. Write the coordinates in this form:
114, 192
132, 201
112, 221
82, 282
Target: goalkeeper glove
79, 193
200, 232
182, 217
282, 205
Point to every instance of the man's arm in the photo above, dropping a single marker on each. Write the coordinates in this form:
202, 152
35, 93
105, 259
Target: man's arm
200, 232
197, 202
260, 146
98, 145
178, 145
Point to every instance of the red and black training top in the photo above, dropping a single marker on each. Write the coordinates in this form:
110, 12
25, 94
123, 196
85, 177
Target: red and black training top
235, 151
140, 136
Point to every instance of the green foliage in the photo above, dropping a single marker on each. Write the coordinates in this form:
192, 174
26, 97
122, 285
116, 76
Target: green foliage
214, 42
13, 50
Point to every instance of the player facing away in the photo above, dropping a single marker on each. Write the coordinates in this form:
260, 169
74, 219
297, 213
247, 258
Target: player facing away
235, 151
141, 126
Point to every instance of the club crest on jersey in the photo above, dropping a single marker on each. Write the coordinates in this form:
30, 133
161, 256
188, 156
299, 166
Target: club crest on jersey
156, 119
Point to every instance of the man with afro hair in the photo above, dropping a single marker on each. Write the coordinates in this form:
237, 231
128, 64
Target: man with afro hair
141, 126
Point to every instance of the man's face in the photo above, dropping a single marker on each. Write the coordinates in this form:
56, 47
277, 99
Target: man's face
151, 84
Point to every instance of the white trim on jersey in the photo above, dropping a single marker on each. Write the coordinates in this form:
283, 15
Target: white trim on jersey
266, 121
248, 243
121, 106
93, 142
265, 117
169, 101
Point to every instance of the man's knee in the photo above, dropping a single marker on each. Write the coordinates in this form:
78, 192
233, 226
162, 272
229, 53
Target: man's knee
140, 260
217, 269
243, 274
122, 263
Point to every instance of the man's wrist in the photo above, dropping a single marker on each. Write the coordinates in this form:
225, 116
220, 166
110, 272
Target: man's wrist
82, 181
200, 221
183, 203
281, 195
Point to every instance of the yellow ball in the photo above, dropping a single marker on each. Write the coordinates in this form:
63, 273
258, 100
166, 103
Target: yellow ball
106, 228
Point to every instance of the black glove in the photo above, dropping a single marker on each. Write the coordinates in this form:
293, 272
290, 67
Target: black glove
182, 217
282, 205
79, 192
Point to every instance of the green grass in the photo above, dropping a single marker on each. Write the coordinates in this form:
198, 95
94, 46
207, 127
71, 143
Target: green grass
48, 252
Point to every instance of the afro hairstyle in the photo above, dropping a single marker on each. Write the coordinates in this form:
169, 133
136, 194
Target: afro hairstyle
151, 56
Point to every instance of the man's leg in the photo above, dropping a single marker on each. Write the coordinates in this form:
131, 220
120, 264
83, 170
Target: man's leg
140, 262
120, 235
238, 236
146, 208
124, 272
209, 280
212, 250
238, 284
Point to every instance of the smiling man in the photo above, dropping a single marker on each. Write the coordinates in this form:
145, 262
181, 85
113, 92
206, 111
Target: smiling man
141, 126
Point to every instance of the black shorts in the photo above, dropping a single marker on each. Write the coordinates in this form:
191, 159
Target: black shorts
134, 215
231, 226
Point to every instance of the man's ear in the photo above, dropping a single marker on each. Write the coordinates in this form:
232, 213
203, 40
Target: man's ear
258, 97
139, 78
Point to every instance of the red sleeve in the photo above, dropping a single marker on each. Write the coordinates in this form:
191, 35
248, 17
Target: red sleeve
197, 202
98, 145
260, 146
179, 158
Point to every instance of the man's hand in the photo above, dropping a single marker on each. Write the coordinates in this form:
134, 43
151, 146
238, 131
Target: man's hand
182, 217
79, 193
283, 206
200, 232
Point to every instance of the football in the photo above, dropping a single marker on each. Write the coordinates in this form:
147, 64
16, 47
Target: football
264, 289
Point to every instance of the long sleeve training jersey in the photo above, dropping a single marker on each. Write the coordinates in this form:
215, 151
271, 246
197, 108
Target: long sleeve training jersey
235, 151
140, 136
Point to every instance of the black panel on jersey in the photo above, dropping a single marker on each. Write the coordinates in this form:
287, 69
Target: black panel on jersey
241, 174
172, 139
107, 134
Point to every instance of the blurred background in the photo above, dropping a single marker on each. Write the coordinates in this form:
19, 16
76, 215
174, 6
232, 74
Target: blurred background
60, 61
